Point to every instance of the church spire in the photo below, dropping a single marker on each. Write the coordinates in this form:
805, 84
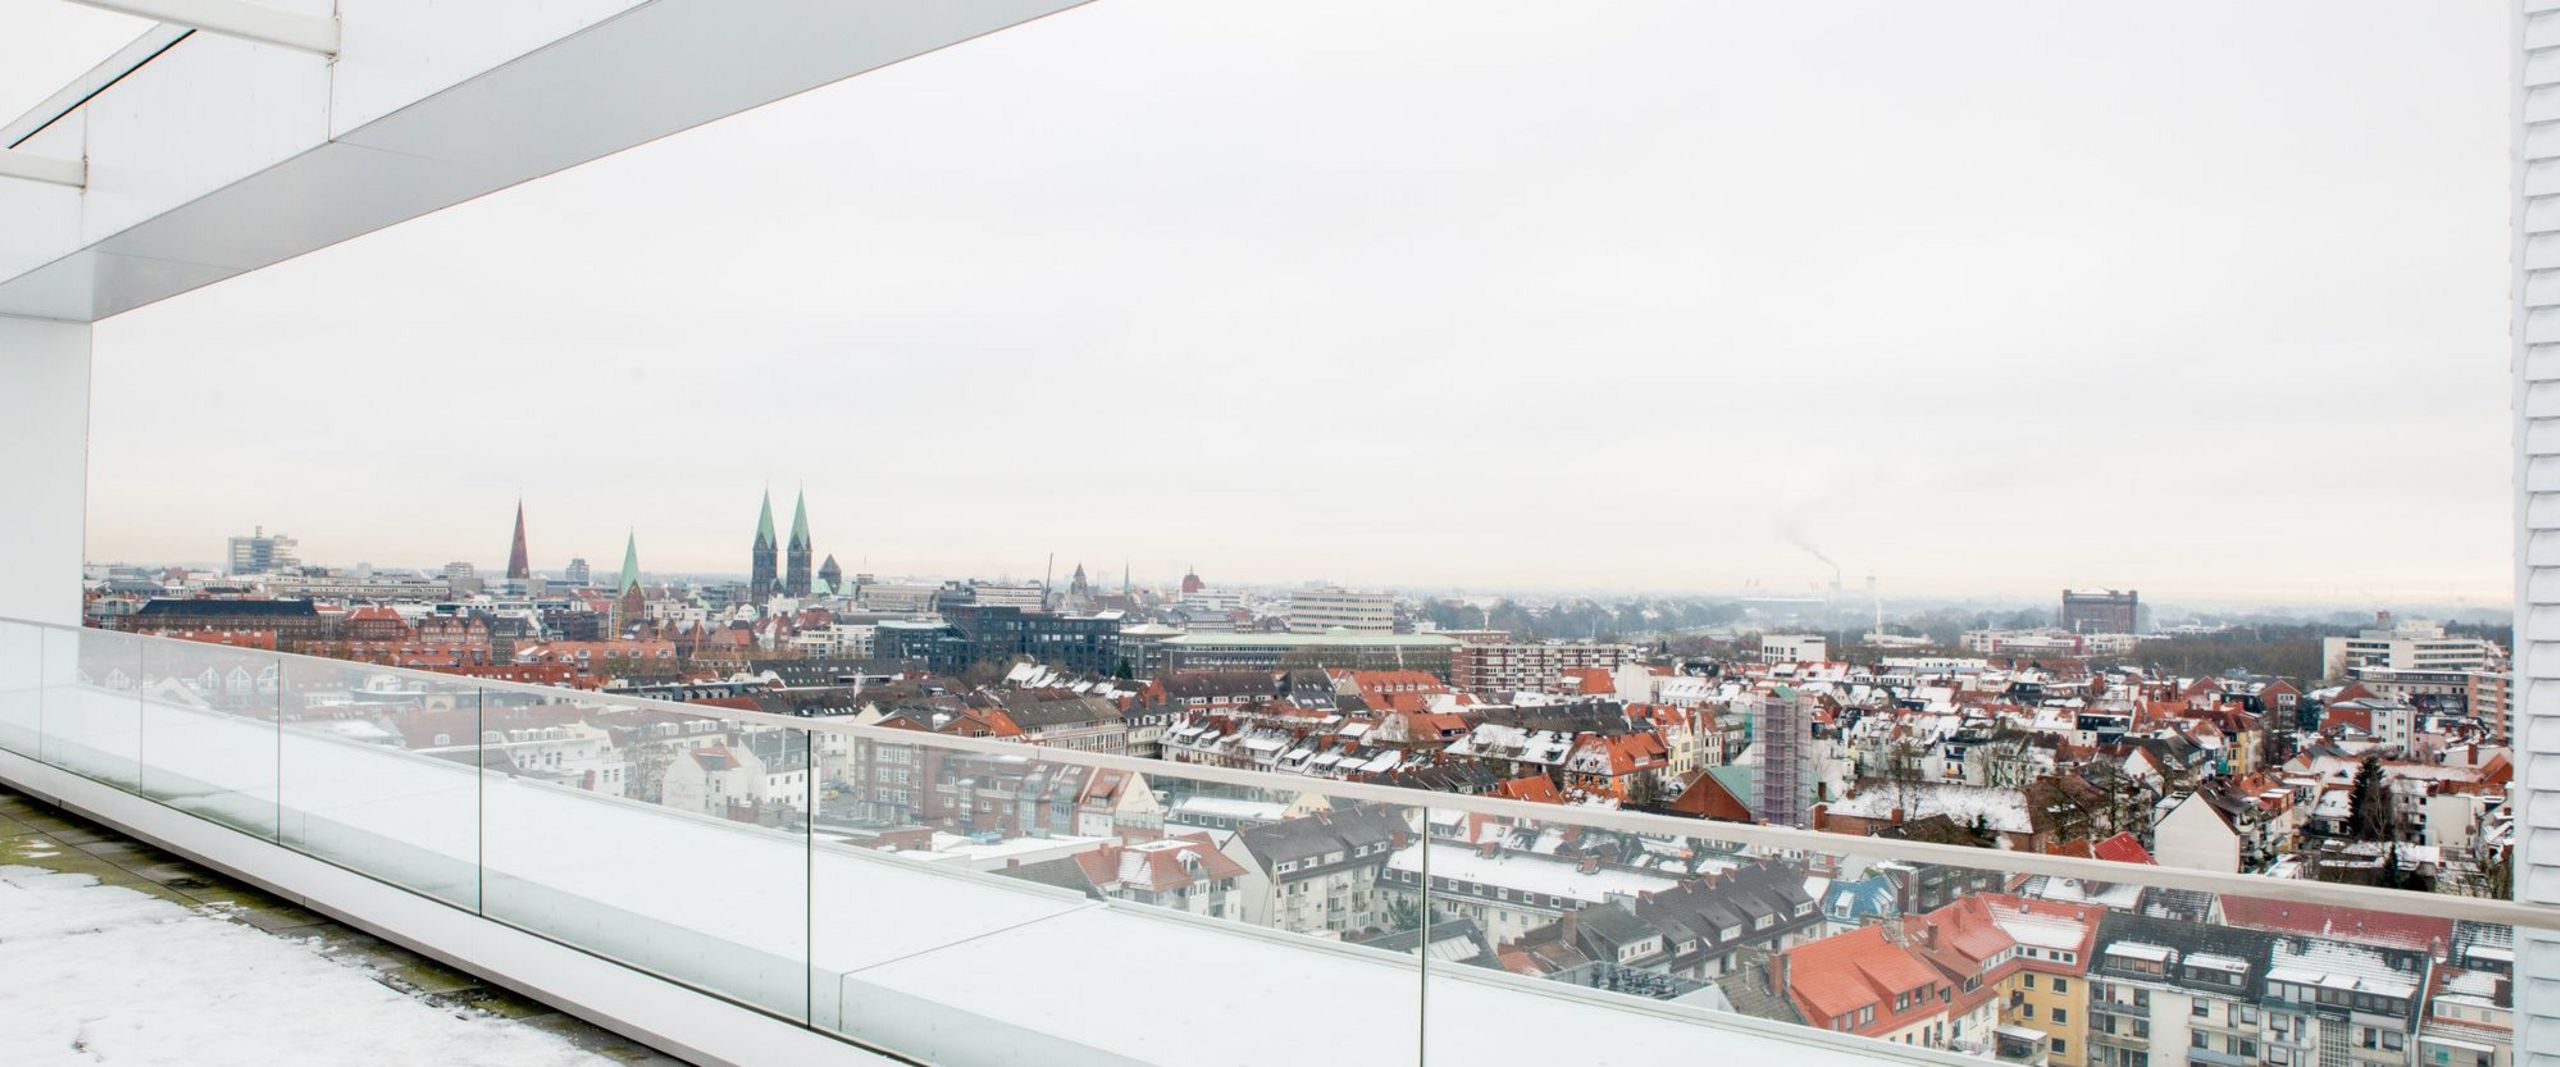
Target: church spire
519, 567
795, 560
764, 561
631, 562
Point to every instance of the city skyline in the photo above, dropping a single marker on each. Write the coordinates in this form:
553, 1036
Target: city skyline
763, 555
1867, 297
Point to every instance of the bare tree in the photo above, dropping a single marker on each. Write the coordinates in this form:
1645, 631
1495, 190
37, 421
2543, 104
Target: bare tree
1902, 773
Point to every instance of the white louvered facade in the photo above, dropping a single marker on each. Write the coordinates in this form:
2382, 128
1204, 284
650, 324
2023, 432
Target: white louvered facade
2537, 368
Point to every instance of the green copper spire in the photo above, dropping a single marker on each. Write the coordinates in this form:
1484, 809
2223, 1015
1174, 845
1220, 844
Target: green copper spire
800, 521
631, 563
764, 522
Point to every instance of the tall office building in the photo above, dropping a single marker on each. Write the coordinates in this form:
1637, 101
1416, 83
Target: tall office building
579, 573
795, 579
762, 564
2101, 611
261, 554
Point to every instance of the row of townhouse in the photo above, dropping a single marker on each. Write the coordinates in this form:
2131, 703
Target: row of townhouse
1319, 874
1989, 974
2042, 981
2163, 992
1699, 929
1183, 871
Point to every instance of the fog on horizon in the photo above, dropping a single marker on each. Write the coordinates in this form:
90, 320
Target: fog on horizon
1980, 298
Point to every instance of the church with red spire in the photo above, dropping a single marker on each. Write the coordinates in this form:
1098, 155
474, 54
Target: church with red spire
519, 563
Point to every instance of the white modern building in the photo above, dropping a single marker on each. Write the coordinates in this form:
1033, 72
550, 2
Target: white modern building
2408, 645
1794, 648
1315, 611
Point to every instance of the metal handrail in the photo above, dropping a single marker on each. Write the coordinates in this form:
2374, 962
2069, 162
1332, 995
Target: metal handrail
1780, 838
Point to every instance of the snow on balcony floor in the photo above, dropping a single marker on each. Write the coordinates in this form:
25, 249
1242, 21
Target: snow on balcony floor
105, 974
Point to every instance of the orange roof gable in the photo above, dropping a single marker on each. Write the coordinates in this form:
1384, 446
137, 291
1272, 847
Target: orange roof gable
1838, 975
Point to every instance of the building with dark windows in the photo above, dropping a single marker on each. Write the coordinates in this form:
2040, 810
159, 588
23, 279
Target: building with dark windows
291, 620
2101, 611
1088, 643
1282, 651
977, 633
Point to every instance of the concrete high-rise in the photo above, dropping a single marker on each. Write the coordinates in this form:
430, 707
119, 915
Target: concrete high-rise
260, 553
2101, 611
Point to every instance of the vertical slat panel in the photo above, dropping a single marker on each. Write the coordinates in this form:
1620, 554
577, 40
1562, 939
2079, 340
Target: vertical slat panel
2536, 359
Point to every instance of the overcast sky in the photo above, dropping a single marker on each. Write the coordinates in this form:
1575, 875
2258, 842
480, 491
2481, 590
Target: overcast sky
2203, 298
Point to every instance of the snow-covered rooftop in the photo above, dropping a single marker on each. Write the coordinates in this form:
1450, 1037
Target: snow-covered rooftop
105, 974
1529, 873
2003, 810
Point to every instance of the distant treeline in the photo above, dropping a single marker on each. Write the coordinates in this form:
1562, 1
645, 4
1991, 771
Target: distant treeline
1576, 619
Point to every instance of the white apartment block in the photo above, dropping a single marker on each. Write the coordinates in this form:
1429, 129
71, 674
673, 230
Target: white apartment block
1512, 667
2414, 645
1794, 648
2052, 642
1314, 611
1215, 601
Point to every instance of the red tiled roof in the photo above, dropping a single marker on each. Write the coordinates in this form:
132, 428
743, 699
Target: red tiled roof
1838, 975
1707, 798
2387, 928
1534, 788
2123, 848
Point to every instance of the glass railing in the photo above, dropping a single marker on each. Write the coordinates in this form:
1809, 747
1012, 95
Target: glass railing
959, 900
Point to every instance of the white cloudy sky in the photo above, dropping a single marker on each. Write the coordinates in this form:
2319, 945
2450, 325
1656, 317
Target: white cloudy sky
2200, 297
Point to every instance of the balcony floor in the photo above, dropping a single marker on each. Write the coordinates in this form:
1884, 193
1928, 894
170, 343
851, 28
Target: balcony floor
218, 951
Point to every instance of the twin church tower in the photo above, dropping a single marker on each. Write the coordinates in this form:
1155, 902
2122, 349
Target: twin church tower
793, 559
